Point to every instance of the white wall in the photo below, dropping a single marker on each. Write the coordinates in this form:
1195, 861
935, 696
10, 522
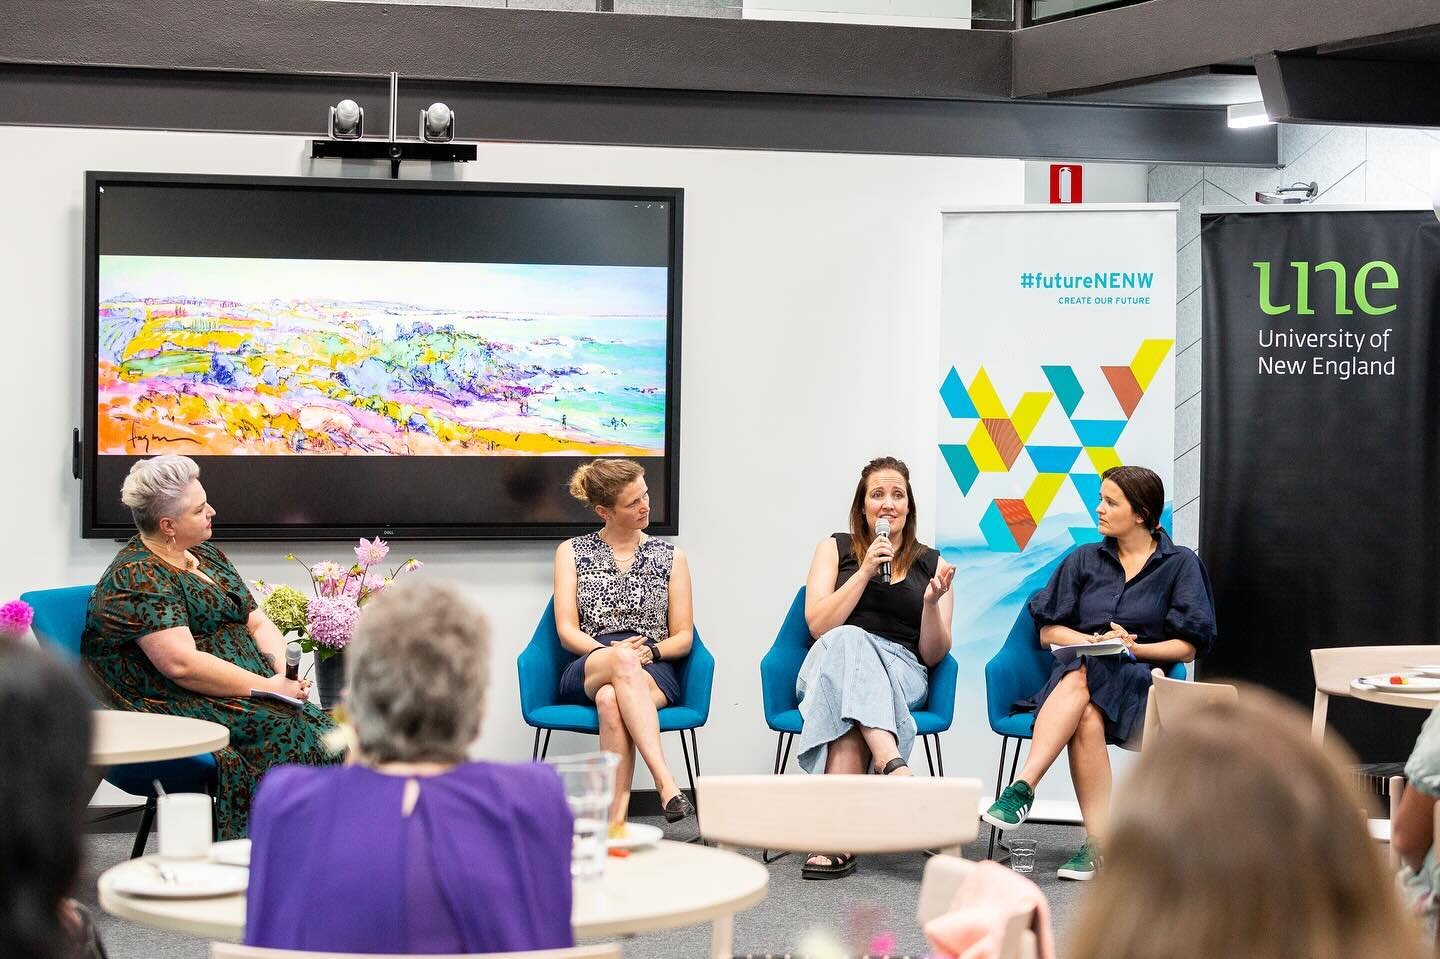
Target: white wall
810, 303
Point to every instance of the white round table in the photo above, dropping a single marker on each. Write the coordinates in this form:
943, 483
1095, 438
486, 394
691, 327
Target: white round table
126, 737
664, 886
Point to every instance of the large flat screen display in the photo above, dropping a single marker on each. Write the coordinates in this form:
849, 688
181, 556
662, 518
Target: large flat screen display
346, 357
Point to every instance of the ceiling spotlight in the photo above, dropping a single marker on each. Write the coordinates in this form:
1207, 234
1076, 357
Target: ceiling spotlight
347, 120
1294, 193
1240, 115
437, 123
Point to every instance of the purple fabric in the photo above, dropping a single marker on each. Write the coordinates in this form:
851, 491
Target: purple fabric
482, 863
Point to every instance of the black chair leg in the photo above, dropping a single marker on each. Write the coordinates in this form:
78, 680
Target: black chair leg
694, 793
780, 761
939, 756
147, 818
929, 761
545, 748
999, 771
535, 749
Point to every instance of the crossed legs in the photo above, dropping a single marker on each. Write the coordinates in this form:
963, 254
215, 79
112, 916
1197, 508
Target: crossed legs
1068, 718
852, 753
628, 702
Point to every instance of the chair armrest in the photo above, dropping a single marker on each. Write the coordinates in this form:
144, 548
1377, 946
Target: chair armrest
699, 677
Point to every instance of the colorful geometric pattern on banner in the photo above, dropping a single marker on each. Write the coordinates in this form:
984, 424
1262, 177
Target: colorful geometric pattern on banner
1003, 434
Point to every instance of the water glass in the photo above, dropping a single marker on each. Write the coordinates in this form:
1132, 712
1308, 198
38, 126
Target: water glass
185, 825
1022, 855
589, 788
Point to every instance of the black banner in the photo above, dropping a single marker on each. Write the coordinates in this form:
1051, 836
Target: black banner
1320, 417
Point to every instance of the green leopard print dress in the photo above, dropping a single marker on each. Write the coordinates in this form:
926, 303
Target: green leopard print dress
139, 595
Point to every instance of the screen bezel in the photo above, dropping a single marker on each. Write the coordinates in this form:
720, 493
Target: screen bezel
91, 528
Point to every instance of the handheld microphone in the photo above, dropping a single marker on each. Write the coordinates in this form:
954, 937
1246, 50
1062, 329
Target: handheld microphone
292, 660
882, 528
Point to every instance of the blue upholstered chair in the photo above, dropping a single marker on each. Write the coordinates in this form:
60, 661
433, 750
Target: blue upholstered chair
541, 663
1020, 669
781, 665
59, 622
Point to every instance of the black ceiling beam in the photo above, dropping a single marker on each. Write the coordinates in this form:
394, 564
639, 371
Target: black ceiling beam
1159, 38
1340, 90
296, 105
305, 37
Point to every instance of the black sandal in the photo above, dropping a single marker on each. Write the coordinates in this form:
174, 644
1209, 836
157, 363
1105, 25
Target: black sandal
893, 765
841, 864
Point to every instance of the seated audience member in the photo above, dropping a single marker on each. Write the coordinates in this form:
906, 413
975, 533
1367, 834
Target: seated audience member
874, 639
45, 718
411, 849
1412, 833
1242, 837
1137, 587
172, 628
622, 608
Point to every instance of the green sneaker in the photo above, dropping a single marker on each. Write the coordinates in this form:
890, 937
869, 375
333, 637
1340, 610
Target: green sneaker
1012, 807
1082, 865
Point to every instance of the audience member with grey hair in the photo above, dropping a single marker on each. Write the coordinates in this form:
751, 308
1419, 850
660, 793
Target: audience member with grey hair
418, 850
172, 628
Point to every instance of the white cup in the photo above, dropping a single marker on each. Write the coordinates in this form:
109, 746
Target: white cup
185, 825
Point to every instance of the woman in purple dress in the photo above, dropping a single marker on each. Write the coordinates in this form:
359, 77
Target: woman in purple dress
411, 849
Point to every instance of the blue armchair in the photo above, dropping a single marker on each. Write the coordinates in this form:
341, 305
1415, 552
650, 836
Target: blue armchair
59, 623
781, 665
541, 662
1020, 669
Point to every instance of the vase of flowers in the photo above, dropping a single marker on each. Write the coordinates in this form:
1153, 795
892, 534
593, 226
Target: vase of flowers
324, 621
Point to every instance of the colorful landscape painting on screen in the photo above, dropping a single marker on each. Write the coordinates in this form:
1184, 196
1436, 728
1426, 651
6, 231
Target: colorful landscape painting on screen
221, 355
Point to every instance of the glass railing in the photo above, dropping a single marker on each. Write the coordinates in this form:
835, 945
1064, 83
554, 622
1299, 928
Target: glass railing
1046, 11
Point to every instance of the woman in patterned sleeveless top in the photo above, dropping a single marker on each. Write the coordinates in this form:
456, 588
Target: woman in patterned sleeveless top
622, 607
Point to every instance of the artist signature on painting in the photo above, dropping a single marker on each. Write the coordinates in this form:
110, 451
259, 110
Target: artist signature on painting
141, 441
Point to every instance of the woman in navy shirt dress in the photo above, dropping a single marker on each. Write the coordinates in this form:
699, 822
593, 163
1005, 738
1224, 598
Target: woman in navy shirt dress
1135, 586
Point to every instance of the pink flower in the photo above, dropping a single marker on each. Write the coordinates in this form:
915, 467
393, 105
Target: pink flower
15, 618
411, 565
261, 588
370, 552
331, 620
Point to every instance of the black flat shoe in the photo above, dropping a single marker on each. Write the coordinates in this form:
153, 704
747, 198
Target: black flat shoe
837, 864
678, 808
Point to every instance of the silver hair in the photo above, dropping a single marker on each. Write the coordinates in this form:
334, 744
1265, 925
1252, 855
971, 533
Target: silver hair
155, 487
417, 669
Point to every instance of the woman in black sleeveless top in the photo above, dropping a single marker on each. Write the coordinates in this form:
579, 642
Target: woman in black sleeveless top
873, 641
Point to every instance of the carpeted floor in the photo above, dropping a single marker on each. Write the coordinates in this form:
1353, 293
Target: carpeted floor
880, 895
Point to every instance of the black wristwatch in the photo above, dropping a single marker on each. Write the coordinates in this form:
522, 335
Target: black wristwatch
654, 645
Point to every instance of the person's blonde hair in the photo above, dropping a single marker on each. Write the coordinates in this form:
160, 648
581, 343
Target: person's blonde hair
1238, 835
155, 487
416, 673
599, 482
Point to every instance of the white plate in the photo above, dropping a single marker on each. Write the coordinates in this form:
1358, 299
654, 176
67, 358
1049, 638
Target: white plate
1417, 683
1431, 671
192, 880
637, 834
235, 852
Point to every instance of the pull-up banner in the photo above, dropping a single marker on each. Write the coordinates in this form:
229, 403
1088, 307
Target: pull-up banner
1057, 361
1321, 431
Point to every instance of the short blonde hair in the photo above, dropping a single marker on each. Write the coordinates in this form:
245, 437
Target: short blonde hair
599, 482
417, 670
154, 488
1240, 836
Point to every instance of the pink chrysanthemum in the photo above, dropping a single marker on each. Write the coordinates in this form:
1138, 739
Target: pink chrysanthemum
370, 552
15, 617
331, 620
411, 565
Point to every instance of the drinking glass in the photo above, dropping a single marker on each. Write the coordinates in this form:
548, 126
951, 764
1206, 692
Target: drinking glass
1022, 855
589, 788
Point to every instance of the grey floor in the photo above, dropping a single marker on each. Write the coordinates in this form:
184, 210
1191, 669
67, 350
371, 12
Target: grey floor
880, 894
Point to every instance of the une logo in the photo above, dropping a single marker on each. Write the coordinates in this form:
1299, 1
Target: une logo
1362, 289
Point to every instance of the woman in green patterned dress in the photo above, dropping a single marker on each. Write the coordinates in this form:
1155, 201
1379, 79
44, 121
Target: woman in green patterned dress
172, 628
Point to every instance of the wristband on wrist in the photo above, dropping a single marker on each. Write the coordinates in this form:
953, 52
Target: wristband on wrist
655, 655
